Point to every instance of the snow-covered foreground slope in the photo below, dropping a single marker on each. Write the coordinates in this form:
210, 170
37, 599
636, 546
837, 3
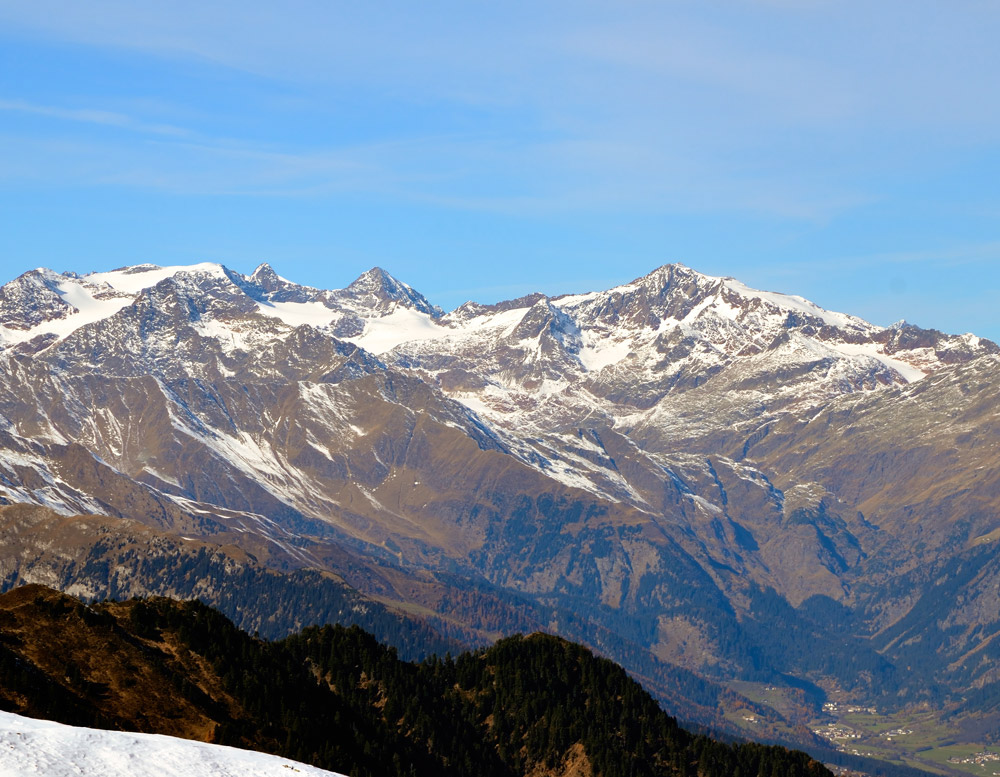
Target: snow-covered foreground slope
29, 746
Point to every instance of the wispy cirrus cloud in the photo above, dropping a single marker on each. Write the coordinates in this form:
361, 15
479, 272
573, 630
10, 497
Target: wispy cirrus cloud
475, 173
668, 106
947, 256
94, 116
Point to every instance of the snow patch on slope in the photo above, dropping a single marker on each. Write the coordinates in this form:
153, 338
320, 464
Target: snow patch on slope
230, 338
132, 280
599, 351
299, 313
908, 371
797, 304
99, 296
88, 310
47, 490
402, 325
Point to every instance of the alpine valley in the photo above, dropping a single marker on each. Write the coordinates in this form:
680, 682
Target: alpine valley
781, 520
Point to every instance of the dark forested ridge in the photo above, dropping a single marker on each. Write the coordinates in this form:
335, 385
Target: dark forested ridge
337, 698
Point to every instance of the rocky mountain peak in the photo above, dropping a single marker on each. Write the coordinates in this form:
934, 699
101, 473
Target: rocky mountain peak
470, 310
673, 275
672, 291
675, 291
137, 269
267, 279
264, 272
379, 283
544, 318
378, 289
33, 298
201, 294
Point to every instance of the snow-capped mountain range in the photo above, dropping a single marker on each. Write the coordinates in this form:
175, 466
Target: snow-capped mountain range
666, 359
598, 330
672, 349
600, 453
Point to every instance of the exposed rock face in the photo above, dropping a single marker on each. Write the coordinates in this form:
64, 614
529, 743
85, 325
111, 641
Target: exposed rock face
32, 299
646, 460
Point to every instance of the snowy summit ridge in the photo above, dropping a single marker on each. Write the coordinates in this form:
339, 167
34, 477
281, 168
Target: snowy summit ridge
673, 320
45, 303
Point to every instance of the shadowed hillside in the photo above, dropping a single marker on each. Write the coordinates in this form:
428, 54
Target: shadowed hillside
336, 698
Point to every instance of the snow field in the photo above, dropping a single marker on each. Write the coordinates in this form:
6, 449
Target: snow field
41, 747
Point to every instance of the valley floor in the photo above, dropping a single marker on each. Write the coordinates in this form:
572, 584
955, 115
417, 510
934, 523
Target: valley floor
922, 738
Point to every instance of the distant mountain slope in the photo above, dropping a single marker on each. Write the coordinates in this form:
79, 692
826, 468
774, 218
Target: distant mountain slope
707, 482
336, 698
98, 557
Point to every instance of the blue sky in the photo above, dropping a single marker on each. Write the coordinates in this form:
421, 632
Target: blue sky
845, 151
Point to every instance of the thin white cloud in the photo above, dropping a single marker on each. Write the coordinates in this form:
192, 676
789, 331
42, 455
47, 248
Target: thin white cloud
778, 108
93, 116
812, 60
777, 86
481, 174
951, 255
